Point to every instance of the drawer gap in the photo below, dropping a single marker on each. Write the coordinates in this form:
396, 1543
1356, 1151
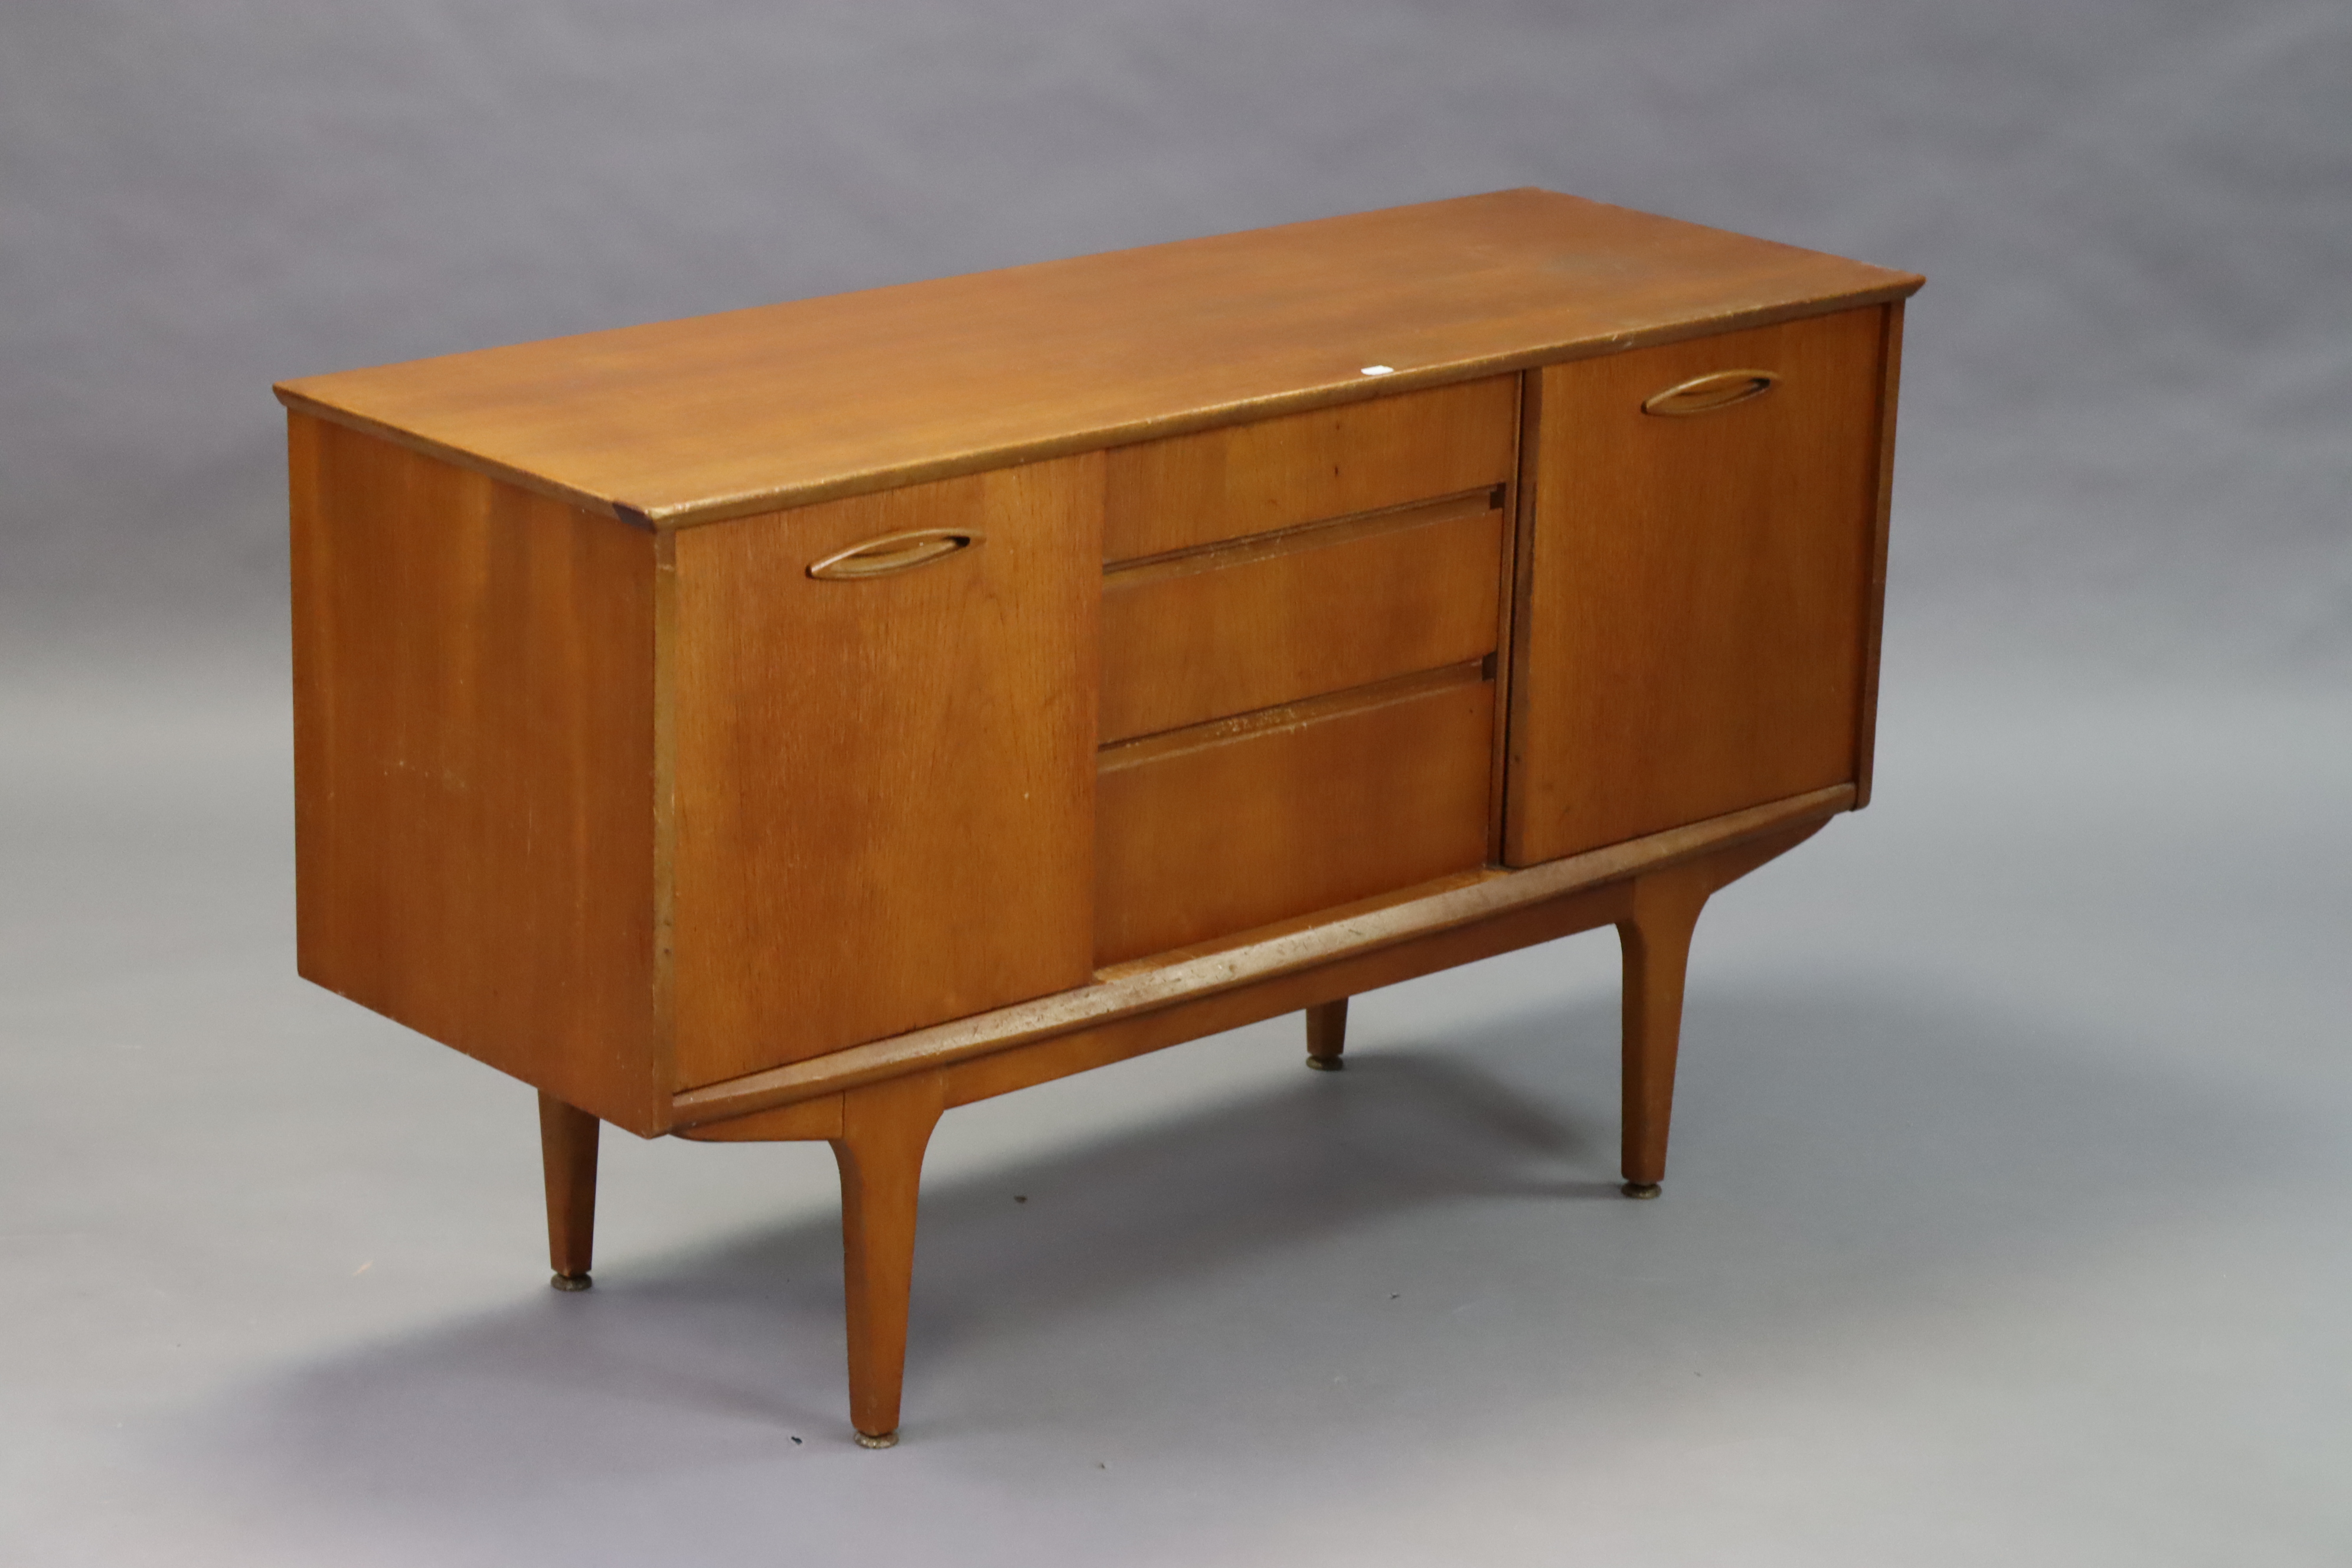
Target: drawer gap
1292, 715
1224, 553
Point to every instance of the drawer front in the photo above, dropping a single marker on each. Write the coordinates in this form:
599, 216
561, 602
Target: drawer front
1696, 619
1255, 623
1209, 831
1190, 490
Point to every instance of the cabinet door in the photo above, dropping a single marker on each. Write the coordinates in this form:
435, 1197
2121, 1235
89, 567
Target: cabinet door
883, 784
1691, 635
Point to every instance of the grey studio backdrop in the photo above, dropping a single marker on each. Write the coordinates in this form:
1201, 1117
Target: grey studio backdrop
2012, 1164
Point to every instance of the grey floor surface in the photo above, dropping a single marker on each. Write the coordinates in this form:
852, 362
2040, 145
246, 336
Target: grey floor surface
2009, 1219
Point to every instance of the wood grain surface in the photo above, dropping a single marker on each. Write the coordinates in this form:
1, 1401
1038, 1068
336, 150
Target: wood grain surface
1655, 940
567, 1158
1320, 987
1694, 611
795, 722
884, 787
1214, 829
1257, 623
1500, 912
1272, 474
781, 405
1873, 603
885, 1127
801, 1122
473, 766
1351, 942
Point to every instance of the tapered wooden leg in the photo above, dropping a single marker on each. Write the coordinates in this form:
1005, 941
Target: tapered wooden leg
1327, 1035
884, 1129
567, 1149
1656, 946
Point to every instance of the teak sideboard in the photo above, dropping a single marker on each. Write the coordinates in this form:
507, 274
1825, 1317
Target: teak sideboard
795, 722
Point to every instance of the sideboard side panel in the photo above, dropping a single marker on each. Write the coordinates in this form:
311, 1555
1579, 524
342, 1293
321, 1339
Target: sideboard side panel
1874, 602
885, 788
1695, 602
473, 736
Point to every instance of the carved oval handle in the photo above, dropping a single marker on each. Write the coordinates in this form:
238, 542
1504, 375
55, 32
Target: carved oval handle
893, 553
1706, 393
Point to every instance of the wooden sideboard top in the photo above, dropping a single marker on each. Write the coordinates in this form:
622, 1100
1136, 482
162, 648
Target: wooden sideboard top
748, 411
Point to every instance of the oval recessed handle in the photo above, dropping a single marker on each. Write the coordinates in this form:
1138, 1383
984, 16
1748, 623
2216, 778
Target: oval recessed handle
1706, 393
893, 553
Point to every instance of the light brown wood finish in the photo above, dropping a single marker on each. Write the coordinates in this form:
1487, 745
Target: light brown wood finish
1426, 924
665, 814
1207, 831
567, 1153
879, 1133
885, 1127
1654, 935
1296, 967
1693, 614
794, 825
1273, 474
1327, 1033
1873, 608
782, 406
1510, 640
803, 1120
473, 759
1329, 979
1655, 938
887, 781
1272, 620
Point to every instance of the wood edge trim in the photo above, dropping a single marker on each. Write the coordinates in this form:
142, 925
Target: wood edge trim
1302, 400
1218, 947
801, 1122
665, 810
1355, 389
458, 456
1519, 590
983, 1077
1149, 990
303, 663
1248, 549
1507, 661
1874, 606
1159, 745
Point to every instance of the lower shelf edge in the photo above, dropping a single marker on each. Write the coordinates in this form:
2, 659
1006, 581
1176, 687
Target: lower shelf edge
1128, 995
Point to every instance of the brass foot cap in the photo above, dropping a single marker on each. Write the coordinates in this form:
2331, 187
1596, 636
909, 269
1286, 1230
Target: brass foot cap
1327, 1063
1640, 1189
570, 1282
878, 1440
